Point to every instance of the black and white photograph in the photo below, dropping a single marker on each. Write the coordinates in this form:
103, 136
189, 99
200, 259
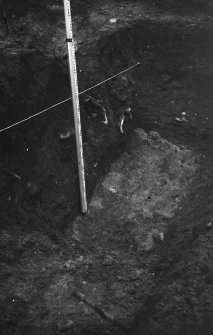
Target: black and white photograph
106, 167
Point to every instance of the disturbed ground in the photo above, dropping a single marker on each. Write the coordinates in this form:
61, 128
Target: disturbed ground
116, 242
145, 246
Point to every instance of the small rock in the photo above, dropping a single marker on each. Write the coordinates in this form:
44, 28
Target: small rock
209, 226
131, 216
113, 20
154, 135
67, 133
166, 77
183, 119
69, 264
96, 203
157, 236
113, 190
161, 236
148, 245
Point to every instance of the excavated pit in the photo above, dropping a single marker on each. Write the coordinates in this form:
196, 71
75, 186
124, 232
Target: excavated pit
146, 240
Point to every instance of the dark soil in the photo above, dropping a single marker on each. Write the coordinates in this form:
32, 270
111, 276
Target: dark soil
145, 246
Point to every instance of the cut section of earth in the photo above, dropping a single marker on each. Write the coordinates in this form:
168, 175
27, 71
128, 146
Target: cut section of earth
128, 217
138, 196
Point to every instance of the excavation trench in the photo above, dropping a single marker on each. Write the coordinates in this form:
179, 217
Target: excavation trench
147, 236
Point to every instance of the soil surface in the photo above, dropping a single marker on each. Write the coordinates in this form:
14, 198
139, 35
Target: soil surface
145, 247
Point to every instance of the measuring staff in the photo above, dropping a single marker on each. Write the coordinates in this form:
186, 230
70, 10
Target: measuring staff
75, 101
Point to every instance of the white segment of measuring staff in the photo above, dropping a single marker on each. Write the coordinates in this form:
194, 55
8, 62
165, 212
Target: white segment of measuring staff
75, 101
